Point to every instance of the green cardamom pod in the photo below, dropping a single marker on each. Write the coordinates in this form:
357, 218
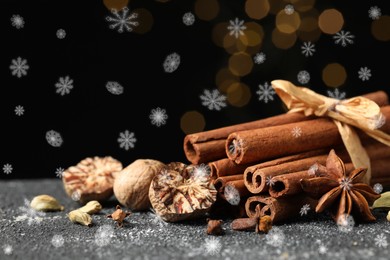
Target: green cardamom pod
45, 203
383, 202
78, 216
91, 207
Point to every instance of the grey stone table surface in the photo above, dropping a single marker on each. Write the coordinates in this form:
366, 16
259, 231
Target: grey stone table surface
26, 234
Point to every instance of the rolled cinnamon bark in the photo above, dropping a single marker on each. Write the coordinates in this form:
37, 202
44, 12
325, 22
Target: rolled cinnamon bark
220, 182
271, 142
254, 204
288, 184
234, 191
283, 209
226, 167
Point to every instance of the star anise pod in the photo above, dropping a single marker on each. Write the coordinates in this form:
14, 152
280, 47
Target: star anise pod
339, 191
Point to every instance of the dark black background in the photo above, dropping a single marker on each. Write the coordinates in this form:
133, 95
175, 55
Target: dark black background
90, 118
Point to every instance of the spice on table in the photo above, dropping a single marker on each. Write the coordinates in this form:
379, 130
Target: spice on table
214, 227
265, 224
119, 215
45, 203
78, 216
341, 191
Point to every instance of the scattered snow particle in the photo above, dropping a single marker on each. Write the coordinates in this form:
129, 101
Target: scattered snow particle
171, 62
296, 131
265, 92
236, 146
54, 138
381, 240
114, 88
236, 27
275, 237
57, 240
17, 21
64, 85
19, 110
259, 58
60, 34
7, 249
213, 99
7, 168
122, 20
289, 9
308, 49
345, 223
212, 245
336, 94
59, 172
364, 73
158, 117
374, 12
188, 19
76, 195
32, 216
344, 38
201, 171
378, 188
305, 209
232, 195
126, 140
303, 77
312, 170
19, 67
322, 249
103, 235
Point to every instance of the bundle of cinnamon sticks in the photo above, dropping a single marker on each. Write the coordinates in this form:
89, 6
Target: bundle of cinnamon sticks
258, 165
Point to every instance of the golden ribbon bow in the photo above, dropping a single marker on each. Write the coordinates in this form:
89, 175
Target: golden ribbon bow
357, 112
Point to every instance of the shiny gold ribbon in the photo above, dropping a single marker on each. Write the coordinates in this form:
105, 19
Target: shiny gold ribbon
356, 112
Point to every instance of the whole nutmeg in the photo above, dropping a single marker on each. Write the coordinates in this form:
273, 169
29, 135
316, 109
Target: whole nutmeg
131, 185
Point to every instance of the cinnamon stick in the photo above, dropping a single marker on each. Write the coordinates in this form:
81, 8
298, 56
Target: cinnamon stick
234, 191
220, 182
288, 184
226, 167
276, 141
254, 204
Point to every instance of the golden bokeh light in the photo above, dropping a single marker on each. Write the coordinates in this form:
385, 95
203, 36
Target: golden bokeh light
206, 9
240, 64
287, 23
334, 75
303, 5
330, 21
115, 4
238, 94
380, 28
283, 40
145, 21
230, 43
223, 75
219, 33
254, 34
257, 9
192, 122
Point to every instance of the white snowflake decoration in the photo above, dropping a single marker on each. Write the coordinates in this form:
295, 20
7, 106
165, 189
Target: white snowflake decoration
364, 73
76, 195
103, 235
64, 85
381, 240
344, 38
7, 249
59, 172
57, 240
303, 77
289, 9
126, 140
158, 117
54, 138
305, 209
308, 49
296, 131
374, 12
312, 170
275, 237
378, 188
345, 183
201, 171
213, 99
17, 21
322, 249
345, 223
7, 168
269, 181
265, 92
236, 27
171, 62
188, 18
259, 58
19, 67
122, 20
212, 245
33, 216
114, 88
232, 195
336, 94
236, 146
60, 34
19, 110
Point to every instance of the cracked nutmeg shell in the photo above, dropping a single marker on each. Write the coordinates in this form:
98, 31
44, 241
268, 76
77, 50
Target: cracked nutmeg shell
179, 192
131, 186
91, 179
